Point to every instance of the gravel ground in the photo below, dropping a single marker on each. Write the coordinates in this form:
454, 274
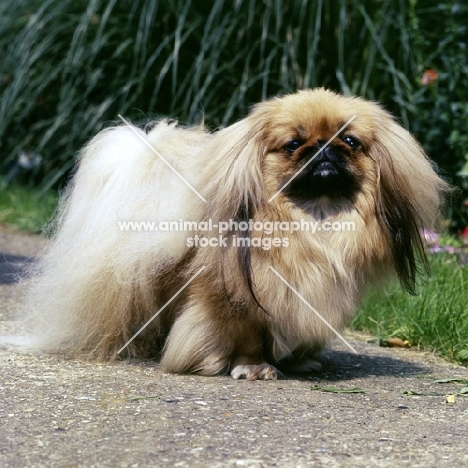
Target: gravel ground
64, 413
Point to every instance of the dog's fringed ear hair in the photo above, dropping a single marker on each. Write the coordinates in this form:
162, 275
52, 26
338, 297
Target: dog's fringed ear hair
234, 181
409, 197
235, 187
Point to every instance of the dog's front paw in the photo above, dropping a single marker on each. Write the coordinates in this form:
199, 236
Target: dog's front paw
256, 372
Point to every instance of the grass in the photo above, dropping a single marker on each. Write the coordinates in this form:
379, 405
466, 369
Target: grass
435, 320
25, 208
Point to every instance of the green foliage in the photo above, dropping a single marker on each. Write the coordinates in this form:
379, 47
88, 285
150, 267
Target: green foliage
440, 109
435, 320
69, 67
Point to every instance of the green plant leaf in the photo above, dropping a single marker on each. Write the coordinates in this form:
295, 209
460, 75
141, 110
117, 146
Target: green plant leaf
150, 397
338, 390
450, 380
413, 393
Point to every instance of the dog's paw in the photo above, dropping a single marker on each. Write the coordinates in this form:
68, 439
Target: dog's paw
256, 372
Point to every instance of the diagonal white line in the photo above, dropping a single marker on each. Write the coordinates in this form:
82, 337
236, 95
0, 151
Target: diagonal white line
312, 158
312, 309
157, 153
161, 309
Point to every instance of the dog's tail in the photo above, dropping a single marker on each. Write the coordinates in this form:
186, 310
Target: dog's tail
99, 280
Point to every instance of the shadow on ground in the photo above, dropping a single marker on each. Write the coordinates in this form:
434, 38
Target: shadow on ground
13, 267
338, 366
342, 365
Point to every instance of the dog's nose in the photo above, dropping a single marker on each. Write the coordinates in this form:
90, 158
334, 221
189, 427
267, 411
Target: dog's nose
325, 154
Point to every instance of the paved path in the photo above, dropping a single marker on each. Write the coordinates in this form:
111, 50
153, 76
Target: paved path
65, 413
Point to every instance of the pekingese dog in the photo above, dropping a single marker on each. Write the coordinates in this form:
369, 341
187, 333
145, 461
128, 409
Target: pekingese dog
198, 248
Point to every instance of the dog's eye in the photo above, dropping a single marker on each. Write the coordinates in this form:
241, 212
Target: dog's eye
292, 145
351, 141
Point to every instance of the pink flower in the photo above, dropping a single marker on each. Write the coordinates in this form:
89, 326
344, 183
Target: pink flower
430, 76
430, 237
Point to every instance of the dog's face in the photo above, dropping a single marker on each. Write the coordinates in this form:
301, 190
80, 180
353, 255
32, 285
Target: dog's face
317, 147
332, 170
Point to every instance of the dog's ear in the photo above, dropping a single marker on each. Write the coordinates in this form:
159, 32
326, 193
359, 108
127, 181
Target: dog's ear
409, 196
235, 185
401, 221
234, 178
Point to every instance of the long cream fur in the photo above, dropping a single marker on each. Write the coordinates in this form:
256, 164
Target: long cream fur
97, 285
